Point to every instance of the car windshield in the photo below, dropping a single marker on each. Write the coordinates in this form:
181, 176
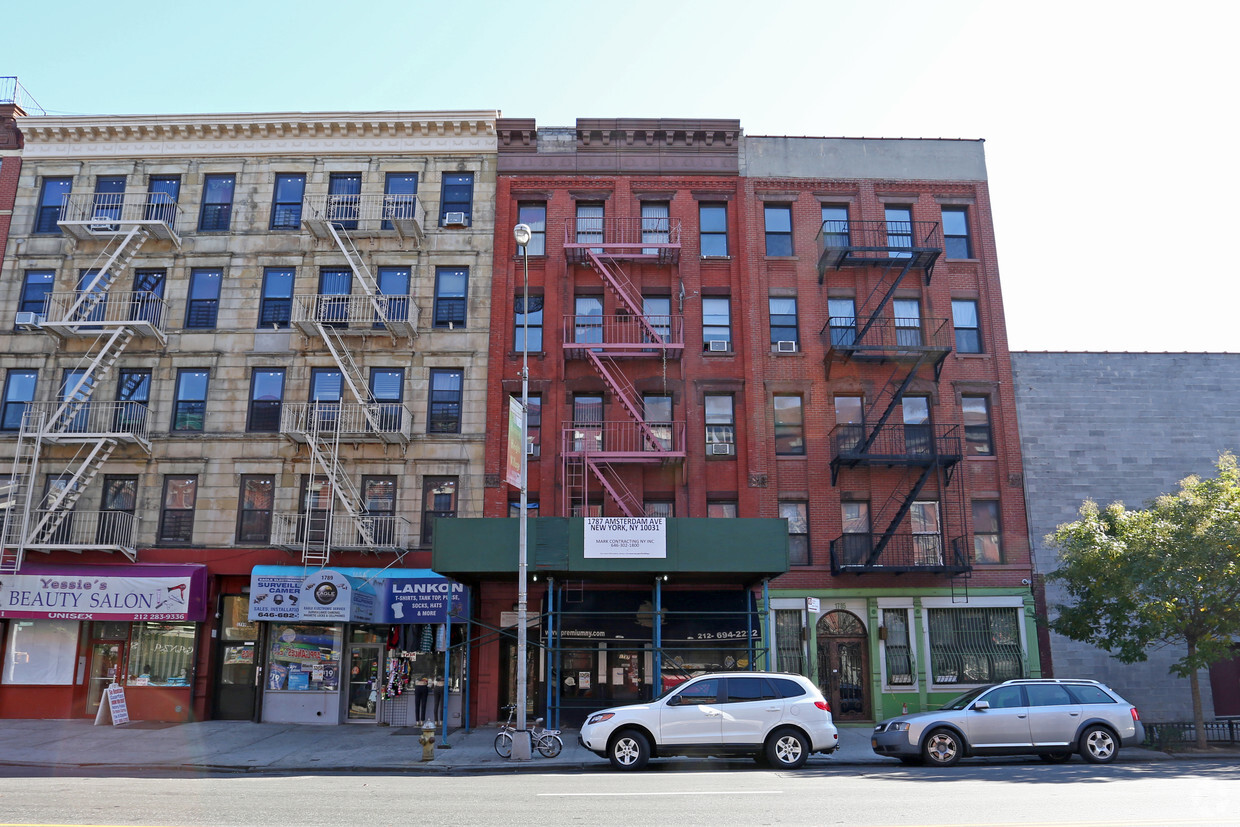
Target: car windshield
965, 699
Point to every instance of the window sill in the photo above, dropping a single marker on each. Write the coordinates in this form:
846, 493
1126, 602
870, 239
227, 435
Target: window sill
964, 260
533, 354
716, 258
797, 352
782, 258
717, 353
972, 355
798, 457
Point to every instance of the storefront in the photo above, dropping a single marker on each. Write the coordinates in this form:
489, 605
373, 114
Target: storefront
352, 645
71, 631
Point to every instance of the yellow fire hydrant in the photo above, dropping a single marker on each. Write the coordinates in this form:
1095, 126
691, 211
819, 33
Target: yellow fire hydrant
427, 740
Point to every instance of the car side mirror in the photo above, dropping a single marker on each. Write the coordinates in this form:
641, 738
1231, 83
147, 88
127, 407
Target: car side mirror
982, 706
674, 700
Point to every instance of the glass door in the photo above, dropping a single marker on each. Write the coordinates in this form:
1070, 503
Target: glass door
236, 676
625, 675
107, 660
365, 661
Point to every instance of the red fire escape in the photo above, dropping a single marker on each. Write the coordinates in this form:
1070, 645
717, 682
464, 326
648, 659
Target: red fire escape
616, 346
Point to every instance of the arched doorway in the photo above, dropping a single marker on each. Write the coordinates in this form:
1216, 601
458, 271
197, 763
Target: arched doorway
843, 675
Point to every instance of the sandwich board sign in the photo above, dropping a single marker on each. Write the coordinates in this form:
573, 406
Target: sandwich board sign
113, 706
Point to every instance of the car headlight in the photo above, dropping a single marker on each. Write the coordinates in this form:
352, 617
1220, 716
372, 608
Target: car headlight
599, 718
898, 726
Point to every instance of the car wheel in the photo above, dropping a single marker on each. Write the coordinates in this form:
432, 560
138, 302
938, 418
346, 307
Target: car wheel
1056, 757
629, 751
1098, 745
787, 749
943, 748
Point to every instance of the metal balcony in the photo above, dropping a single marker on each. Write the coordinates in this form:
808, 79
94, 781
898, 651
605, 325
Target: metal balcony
356, 315
624, 336
291, 531
901, 554
917, 244
389, 422
87, 215
128, 422
891, 445
144, 312
655, 240
889, 339
624, 441
366, 215
88, 531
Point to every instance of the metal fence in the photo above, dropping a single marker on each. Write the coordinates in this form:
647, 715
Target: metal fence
1184, 733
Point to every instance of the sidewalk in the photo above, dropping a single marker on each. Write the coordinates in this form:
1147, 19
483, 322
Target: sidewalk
239, 746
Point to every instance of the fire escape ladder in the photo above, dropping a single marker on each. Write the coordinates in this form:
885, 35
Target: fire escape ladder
354, 257
21, 483
353, 377
883, 302
325, 451
112, 261
61, 504
899, 516
628, 502
622, 287
94, 366
896, 396
626, 393
574, 484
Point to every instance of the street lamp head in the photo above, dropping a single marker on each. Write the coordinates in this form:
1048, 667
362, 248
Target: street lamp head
522, 234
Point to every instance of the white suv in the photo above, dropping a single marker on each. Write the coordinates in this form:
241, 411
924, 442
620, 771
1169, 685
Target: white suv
774, 717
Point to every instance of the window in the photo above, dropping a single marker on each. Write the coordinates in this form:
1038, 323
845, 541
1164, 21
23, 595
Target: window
76, 385
713, 227
400, 197
987, 547
789, 641
176, 519
254, 510
344, 190
387, 388
450, 287
789, 425
956, 233
286, 202
531, 508
897, 651
133, 394
148, 300
716, 323
720, 424
532, 320
217, 198
778, 229
96, 289
657, 311
974, 645
445, 402
721, 508
657, 414
927, 535
533, 424
379, 503
856, 542
968, 330
656, 225
842, 319
276, 309
163, 192
266, 400
835, 232
587, 423
590, 224
588, 324
335, 285
438, 500
659, 508
1047, 694
35, 289
917, 435
315, 508
457, 196
190, 408
899, 230
908, 322
120, 496
797, 515
783, 320
51, 199
977, 435
203, 307
393, 282
161, 653
534, 215
109, 198
849, 423
326, 386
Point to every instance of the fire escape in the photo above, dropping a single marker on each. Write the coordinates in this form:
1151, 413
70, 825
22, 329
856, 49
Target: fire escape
595, 453
344, 322
70, 440
901, 350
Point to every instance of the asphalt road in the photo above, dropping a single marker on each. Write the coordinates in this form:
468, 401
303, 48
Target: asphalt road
680, 793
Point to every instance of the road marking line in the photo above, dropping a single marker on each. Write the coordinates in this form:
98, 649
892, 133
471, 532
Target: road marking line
638, 795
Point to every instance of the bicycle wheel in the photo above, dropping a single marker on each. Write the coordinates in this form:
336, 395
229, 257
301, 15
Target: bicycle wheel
550, 746
503, 744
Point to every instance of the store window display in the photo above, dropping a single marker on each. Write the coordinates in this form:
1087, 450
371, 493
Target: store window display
305, 658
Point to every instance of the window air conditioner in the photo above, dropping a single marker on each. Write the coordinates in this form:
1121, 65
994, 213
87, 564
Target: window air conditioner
454, 219
717, 448
529, 449
26, 319
785, 346
718, 346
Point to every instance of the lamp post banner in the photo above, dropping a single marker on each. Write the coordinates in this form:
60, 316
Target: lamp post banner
641, 538
516, 441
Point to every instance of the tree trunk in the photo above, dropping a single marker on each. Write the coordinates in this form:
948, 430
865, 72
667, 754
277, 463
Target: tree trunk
1194, 684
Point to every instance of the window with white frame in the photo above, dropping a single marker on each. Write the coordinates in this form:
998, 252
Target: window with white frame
897, 649
975, 645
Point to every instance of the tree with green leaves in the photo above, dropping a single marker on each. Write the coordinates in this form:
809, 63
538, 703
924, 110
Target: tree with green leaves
1167, 574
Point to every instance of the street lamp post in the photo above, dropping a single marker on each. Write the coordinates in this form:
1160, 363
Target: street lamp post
521, 743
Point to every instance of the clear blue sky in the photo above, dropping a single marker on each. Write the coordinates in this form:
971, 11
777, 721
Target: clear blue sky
1108, 125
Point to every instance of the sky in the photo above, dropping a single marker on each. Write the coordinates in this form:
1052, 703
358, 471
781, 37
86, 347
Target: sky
1109, 148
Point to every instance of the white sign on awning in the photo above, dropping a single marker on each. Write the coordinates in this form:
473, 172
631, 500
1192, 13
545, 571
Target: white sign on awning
640, 538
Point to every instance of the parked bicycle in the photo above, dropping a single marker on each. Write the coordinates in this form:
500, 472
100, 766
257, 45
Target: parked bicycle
546, 741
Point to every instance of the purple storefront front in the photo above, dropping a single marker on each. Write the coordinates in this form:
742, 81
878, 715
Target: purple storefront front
70, 631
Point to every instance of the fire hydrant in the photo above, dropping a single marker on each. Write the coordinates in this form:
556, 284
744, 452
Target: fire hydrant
427, 740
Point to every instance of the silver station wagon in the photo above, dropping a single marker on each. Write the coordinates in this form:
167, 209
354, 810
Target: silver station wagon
1045, 717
